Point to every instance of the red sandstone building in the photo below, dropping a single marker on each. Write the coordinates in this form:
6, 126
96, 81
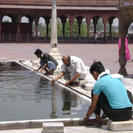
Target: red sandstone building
66, 10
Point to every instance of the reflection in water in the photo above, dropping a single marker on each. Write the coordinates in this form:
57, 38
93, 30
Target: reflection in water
68, 101
10, 66
25, 95
42, 89
53, 104
44, 83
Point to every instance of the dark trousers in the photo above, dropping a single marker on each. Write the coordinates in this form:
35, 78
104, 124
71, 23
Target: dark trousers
113, 114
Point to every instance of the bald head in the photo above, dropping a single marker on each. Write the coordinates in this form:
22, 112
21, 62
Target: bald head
66, 60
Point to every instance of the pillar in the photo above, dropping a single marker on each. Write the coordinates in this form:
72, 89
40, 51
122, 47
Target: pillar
47, 20
0, 27
54, 40
88, 20
79, 20
71, 21
110, 20
122, 60
95, 19
110, 29
36, 27
63, 21
54, 25
105, 22
14, 19
31, 23
18, 29
122, 31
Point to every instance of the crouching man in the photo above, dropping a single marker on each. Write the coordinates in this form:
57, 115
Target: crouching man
73, 69
47, 62
110, 95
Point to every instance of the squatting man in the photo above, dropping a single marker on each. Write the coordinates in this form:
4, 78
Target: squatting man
47, 62
73, 69
110, 95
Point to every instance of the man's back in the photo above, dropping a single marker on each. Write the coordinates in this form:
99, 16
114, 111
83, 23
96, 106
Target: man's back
47, 57
79, 64
114, 90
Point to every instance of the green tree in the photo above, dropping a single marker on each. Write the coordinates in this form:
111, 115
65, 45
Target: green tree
42, 30
100, 25
75, 28
67, 29
115, 33
49, 29
83, 29
59, 28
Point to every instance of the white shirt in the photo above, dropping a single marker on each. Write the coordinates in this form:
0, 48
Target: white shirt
76, 66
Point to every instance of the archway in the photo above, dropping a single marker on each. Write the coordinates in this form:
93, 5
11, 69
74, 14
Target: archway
59, 27
41, 28
91, 31
6, 19
26, 28
75, 29
115, 28
9, 28
67, 29
24, 19
99, 29
83, 28
130, 32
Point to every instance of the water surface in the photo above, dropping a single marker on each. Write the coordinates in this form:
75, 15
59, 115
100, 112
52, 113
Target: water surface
25, 95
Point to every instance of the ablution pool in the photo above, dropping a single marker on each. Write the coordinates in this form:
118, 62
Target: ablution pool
24, 95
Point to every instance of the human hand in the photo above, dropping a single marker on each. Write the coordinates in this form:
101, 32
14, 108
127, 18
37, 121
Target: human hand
36, 70
67, 84
86, 118
53, 81
41, 70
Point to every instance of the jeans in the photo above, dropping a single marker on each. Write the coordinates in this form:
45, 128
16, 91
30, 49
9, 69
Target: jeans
50, 65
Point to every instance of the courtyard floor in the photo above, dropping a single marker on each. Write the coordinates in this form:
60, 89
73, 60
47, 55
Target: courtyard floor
107, 53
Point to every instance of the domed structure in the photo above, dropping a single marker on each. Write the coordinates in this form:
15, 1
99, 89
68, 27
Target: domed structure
67, 10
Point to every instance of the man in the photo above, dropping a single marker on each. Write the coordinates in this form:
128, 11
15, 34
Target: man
73, 69
110, 95
47, 62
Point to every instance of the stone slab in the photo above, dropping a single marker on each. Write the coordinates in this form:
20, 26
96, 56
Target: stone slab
14, 125
120, 125
53, 127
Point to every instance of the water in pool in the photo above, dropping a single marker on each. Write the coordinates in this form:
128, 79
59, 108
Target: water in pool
26, 96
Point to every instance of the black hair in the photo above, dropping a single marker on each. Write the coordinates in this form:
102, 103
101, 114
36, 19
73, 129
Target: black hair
37, 51
97, 66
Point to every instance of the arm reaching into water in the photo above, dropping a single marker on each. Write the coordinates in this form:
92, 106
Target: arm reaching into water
73, 79
58, 77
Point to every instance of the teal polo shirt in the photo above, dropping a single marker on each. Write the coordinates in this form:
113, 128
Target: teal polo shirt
114, 90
